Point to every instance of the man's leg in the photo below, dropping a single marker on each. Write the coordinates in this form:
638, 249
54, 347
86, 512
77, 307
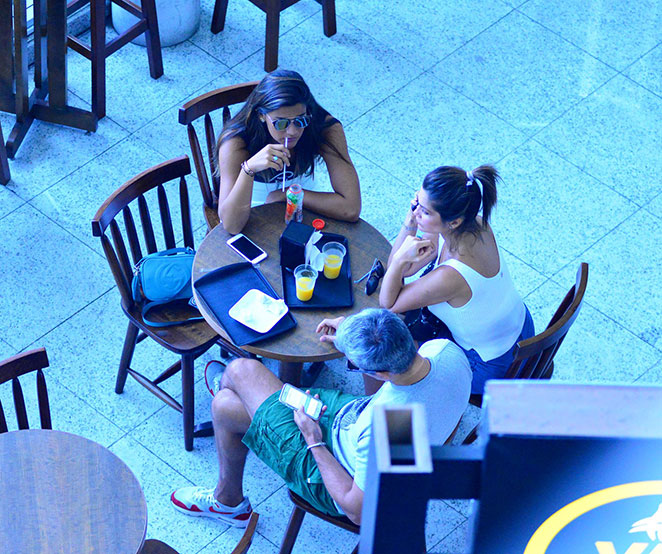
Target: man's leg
246, 384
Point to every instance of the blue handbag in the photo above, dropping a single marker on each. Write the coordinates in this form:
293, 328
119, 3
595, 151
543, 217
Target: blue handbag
163, 277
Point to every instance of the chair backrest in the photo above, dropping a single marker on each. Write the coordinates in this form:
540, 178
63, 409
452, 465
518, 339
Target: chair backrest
136, 190
533, 356
12, 369
203, 106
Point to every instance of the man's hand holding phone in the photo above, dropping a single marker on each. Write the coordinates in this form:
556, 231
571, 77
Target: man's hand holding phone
310, 428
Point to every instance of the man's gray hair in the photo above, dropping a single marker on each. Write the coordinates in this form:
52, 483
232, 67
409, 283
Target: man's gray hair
376, 340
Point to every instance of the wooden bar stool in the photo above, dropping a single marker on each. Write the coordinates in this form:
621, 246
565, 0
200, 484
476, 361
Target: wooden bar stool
273, 8
99, 50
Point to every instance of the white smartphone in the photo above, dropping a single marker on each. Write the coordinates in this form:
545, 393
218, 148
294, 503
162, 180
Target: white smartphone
246, 248
295, 398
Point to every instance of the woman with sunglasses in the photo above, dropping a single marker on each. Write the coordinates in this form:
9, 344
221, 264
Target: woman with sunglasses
282, 128
466, 285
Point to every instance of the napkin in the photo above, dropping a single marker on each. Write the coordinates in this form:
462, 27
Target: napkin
314, 255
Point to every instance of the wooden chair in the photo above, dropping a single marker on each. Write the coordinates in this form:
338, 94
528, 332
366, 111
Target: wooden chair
204, 105
273, 8
99, 50
188, 340
301, 508
5, 176
12, 369
154, 546
534, 356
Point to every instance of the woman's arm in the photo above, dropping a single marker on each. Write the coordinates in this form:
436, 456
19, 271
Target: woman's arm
236, 190
344, 202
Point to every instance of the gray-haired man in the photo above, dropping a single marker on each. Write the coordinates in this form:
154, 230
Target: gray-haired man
326, 462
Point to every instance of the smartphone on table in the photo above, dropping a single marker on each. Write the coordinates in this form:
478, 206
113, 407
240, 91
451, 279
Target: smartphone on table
295, 398
246, 248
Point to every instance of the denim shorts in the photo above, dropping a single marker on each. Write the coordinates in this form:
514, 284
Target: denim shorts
497, 367
277, 441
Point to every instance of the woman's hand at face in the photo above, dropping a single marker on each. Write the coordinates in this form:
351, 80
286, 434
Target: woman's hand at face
272, 156
414, 249
410, 219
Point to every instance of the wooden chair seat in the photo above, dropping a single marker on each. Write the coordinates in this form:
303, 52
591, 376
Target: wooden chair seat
188, 340
13, 368
204, 106
99, 50
273, 8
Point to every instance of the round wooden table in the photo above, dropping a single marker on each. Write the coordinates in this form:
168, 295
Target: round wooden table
264, 227
62, 493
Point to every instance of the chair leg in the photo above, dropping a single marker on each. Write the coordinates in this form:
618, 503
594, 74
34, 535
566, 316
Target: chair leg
271, 39
98, 48
293, 526
218, 19
187, 400
127, 354
5, 176
152, 39
329, 17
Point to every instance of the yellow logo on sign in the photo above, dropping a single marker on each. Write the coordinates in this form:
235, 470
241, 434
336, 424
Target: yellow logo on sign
555, 523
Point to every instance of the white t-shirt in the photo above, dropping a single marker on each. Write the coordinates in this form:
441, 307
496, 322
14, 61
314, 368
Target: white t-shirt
444, 392
261, 189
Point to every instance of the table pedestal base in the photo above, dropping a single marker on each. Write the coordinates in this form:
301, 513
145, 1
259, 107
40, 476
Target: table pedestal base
290, 372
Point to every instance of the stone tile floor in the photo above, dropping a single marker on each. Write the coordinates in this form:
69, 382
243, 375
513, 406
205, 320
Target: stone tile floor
564, 97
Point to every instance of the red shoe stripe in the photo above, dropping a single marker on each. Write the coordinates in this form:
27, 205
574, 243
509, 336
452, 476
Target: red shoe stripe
180, 504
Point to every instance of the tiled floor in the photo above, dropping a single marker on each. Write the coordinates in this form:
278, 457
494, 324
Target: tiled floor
564, 97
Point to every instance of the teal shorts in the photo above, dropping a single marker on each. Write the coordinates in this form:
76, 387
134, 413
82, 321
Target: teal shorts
275, 438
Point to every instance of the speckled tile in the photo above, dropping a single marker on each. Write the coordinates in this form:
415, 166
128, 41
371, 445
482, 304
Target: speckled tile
50, 152
244, 30
9, 201
440, 521
228, 540
427, 124
615, 32
162, 434
610, 136
85, 352
451, 24
74, 201
50, 274
68, 412
165, 134
655, 206
358, 71
566, 210
596, 348
455, 542
525, 277
647, 71
624, 276
133, 98
6, 350
158, 479
653, 376
515, 72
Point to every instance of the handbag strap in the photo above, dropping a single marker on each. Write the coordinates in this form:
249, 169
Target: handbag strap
149, 305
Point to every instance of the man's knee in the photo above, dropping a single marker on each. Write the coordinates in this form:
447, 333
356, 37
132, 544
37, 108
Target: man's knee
223, 402
239, 370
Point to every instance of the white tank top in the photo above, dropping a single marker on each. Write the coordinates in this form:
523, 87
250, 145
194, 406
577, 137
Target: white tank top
261, 190
492, 320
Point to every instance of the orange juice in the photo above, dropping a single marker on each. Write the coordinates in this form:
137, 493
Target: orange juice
305, 287
332, 265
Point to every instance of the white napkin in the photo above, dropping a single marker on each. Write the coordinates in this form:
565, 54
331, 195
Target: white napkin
314, 256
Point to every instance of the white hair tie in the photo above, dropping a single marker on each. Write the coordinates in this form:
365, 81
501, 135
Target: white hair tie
471, 179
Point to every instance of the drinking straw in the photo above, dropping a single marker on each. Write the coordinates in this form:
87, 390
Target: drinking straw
283, 187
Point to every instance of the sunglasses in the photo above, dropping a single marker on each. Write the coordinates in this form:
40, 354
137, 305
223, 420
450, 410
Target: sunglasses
283, 123
352, 367
374, 275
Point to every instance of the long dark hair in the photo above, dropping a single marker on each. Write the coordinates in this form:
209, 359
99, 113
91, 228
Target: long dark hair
278, 89
455, 193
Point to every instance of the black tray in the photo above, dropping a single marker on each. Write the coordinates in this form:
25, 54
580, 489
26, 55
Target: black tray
222, 288
328, 293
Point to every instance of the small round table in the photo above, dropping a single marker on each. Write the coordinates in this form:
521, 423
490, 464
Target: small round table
62, 493
264, 227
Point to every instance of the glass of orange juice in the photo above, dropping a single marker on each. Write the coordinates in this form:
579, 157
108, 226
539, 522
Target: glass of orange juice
333, 252
305, 276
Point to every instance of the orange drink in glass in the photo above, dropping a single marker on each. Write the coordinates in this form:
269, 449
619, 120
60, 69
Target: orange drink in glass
305, 277
334, 253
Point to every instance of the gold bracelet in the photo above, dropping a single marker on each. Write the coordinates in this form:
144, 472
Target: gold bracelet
247, 170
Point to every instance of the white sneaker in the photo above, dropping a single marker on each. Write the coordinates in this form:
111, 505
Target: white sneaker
197, 501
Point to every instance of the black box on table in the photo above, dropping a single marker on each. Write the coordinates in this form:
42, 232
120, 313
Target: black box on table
292, 244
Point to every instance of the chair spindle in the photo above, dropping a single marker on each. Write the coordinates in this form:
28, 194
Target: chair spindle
132, 234
19, 403
120, 249
42, 398
185, 209
166, 219
146, 222
199, 163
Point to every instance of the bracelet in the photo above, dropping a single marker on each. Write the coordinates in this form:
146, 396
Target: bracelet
247, 170
311, 446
